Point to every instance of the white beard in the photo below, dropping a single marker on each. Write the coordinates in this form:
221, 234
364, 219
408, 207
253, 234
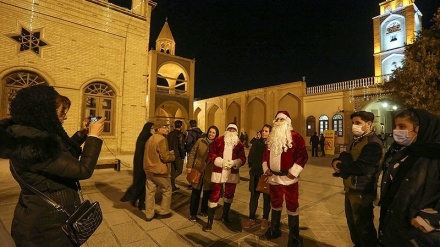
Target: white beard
231, 138
280, 138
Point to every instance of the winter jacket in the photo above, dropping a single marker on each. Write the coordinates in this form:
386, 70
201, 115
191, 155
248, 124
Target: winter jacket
42, 161
359, 172
255, 160
217, 154
157, 155
192, 135
197, 159
414, 187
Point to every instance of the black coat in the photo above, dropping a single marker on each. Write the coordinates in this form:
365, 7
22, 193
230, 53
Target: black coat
137, 190
45, 163
255, 160
416, 189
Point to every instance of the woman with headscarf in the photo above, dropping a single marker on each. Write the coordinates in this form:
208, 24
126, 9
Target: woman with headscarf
46, 158
136, 192
197, 160
255, 161
410, 191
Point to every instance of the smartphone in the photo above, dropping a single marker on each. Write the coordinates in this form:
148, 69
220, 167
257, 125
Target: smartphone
93, 119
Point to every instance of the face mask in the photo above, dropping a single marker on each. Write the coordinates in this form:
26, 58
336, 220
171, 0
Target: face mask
401, 137
357, 130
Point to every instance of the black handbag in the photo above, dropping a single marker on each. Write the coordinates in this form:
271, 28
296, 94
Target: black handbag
82, 223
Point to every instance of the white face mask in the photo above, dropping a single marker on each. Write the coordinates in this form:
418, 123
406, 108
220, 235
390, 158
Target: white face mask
357, 130
401, 137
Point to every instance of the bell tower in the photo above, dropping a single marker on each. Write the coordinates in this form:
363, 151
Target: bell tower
395, 27
165, 41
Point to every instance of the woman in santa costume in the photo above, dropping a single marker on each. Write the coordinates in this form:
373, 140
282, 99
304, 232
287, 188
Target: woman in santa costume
283, 161
226, 154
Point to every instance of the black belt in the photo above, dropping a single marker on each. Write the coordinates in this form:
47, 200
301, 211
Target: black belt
280, 173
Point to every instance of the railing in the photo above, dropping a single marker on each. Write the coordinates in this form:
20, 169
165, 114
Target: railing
170, 91
352, 84
119, 8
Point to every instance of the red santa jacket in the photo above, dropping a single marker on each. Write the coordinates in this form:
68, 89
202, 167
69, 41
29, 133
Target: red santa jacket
219, 153
291, 161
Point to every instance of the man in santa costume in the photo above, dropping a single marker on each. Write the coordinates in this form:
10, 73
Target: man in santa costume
283, 161
226, 154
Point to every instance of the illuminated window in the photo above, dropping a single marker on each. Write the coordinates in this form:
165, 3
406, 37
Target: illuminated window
323, 124
338, 124
18, 80
99, 100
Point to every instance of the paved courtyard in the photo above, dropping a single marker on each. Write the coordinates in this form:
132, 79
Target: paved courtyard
322, 219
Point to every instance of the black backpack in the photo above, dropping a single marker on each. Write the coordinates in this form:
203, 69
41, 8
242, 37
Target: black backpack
192, 135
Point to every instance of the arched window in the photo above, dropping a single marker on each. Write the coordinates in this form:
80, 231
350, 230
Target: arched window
311, 125
18, 80
337, 124
323, 124
100, 101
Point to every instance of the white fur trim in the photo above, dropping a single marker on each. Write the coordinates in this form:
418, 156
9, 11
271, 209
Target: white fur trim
225, 177
265, 167
282, 115
295, 170
228, 200
212, 204
233, 126
275, 162
218, 162
293, 213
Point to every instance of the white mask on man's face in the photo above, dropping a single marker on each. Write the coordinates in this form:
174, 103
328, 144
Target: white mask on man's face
357, 130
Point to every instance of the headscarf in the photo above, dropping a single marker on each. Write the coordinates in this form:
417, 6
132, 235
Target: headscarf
427, 143
35, 107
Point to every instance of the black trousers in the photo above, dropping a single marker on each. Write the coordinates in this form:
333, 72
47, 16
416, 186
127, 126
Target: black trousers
360, 217
253, 204
195, 200
315, 150
176, 170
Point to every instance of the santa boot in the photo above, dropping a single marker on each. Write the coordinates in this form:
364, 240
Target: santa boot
208, 226
294, 239
225, 216
274, 230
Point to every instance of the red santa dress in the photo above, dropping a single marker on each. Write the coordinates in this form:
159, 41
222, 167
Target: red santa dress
219, 155
290, 161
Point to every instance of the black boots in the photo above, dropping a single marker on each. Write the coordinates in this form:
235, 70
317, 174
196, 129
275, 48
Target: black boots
225, 216
294, 239
208, 226
274, 230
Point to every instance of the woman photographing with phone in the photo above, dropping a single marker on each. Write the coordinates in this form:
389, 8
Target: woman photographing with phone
45, 157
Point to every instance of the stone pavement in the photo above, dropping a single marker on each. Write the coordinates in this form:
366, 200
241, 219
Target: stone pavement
322, 218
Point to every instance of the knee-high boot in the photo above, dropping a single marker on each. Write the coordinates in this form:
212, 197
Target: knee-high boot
208, 226
226, 209
274, 230
294, 239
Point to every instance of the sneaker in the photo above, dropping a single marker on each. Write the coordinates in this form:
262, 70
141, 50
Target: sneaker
192, 218
264, 224
248, 223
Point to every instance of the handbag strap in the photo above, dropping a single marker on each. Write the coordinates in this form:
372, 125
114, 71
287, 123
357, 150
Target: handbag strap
37, 192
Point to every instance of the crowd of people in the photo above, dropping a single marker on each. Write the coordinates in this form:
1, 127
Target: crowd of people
42, 155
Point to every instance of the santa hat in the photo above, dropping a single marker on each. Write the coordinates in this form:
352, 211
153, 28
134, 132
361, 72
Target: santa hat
283, 114
233, 126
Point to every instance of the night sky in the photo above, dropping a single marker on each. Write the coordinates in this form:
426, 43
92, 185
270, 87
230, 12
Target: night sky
242, 44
